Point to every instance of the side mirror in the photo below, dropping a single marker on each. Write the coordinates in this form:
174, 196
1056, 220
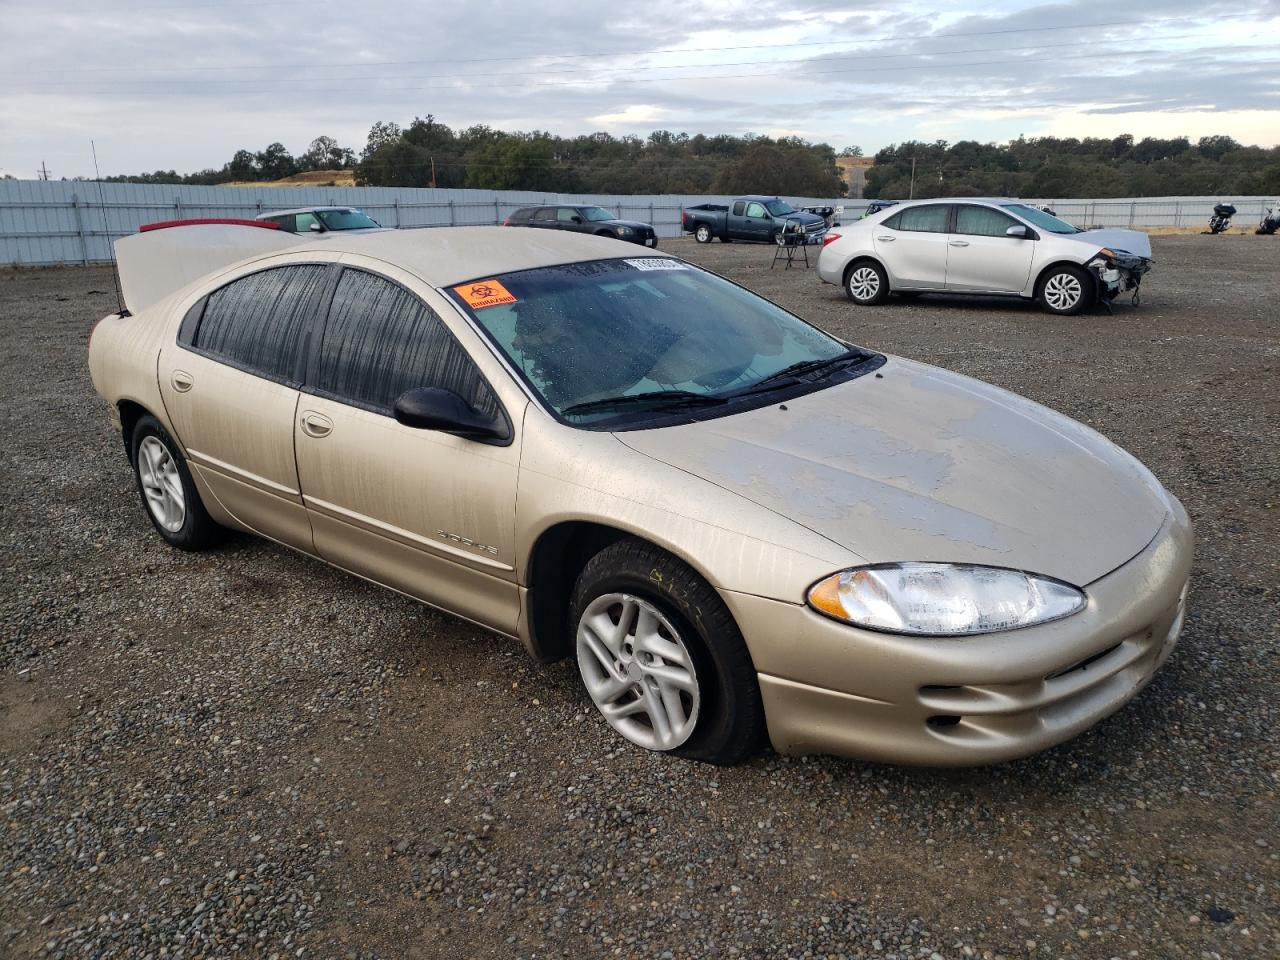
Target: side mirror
431, 408
1017, 230
315, 227
576, 219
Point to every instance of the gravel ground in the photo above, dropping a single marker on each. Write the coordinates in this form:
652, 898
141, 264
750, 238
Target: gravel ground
248, 752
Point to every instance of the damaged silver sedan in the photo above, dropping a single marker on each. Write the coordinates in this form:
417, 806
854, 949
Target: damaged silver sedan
1001, 247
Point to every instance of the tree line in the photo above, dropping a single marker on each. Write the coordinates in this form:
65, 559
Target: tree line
429, 153
1070, 167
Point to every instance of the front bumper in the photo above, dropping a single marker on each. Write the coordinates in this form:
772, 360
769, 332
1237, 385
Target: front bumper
832, 688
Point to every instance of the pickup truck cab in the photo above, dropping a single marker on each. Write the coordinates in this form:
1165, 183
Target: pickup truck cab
762, 219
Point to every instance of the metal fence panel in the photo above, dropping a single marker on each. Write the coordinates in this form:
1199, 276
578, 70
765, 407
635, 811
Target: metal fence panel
53, 222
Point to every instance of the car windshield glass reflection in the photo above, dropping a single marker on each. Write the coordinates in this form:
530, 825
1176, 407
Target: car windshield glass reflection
607, 329
597, 213
780, 208
1045, 221
346, 220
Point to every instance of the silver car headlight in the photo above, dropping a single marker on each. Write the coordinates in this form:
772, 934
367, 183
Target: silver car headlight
943, 599
625, 231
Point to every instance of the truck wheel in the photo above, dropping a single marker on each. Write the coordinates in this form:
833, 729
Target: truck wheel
702, 234
776, 237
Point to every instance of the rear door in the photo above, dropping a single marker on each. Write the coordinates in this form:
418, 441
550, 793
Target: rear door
230, 384
912, 244
544, 217
424, 512
981, 256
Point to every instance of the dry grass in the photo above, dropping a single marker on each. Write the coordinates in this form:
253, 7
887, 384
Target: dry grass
314, 178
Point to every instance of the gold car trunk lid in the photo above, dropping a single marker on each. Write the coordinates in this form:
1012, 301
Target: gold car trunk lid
922, 464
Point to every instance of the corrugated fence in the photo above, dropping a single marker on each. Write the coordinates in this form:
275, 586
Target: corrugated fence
51, 222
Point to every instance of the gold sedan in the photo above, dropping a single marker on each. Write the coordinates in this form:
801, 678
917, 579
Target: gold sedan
741, 527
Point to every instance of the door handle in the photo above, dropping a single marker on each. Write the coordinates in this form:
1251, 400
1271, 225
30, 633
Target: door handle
182, 381
887, 239
316, 425
958, 243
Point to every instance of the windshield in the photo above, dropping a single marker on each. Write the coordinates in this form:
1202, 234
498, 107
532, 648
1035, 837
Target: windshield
597, 213
346, 220
1045, 221
600, 330
779, 208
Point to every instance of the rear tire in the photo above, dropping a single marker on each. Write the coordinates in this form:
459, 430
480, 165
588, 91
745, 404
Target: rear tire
662, 658
169, 495
1066, 290
866, 283
702, 233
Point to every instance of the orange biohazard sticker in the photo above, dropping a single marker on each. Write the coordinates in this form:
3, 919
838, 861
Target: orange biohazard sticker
484, 293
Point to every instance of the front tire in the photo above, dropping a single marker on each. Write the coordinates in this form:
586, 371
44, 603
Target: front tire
168, 493
702, 233
661, 656
866, 283
1066, 290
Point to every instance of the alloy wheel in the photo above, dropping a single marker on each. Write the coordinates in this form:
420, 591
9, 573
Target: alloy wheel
1063, 291
864, 283
638, 671
161, 484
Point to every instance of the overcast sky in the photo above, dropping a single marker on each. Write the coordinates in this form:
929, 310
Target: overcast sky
182, 84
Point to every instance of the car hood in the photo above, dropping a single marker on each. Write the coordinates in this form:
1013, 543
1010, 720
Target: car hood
633, 224
1130, 241
805, 218
923, 464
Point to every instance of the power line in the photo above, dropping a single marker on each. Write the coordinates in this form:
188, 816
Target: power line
642, 52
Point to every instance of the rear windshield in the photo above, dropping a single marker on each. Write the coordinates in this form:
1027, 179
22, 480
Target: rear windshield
346, 220
1045, 221
586, 332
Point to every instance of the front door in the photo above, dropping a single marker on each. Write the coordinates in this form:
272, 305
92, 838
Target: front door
981, 256
758, 223
912, 244
424, 512
230, 386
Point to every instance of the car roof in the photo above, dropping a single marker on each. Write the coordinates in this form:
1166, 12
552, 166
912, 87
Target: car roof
277, 213
916, 203
443, 256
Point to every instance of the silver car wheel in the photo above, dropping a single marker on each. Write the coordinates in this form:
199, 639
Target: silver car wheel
1063, 291
864, 283
161, 484
703, 233
638, 671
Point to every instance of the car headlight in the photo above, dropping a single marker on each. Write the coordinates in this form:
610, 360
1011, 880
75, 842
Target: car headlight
943, 599
625, 231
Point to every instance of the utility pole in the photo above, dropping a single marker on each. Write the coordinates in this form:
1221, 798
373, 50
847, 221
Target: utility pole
912, 194
43, 171
433, 171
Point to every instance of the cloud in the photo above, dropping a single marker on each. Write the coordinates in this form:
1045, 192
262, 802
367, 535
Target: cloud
183, 88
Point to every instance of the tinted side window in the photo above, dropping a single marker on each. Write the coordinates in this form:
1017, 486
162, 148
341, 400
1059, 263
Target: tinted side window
566, 214
381, 340
304, 221
982, 221
928, 219
755, 210
545, 213
257, 322
737, 208
524, 213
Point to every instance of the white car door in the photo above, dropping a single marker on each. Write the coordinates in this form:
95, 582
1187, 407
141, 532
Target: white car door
912, 244
982, 256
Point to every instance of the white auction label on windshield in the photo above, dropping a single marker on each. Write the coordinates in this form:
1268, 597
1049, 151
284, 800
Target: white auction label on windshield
657, 263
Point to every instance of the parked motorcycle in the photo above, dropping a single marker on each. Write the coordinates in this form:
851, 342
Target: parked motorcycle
1270, 221
1221, 219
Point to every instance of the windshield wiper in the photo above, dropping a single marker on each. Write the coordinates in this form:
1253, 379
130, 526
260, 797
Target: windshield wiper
664, 398
793, 372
